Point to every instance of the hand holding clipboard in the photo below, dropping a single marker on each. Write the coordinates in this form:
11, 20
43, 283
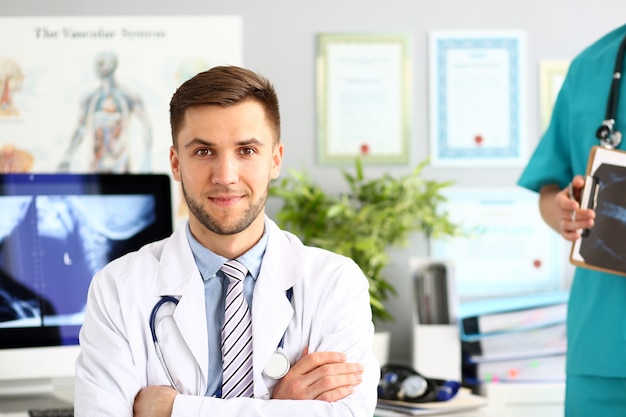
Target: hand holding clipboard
590, 196
603, 247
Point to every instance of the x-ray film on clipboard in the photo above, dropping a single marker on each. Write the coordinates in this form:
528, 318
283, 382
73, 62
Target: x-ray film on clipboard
602, 247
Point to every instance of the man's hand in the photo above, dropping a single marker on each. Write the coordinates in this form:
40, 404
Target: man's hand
154, 401
319, 376
562, 211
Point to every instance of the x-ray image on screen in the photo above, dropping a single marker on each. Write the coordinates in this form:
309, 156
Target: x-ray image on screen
56, 232
52, 245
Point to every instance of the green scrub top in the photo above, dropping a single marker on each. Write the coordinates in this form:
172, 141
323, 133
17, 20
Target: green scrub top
597, 305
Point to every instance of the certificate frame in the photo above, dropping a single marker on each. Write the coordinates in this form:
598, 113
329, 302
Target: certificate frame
551, 76
477, 98
505, 247
363, 97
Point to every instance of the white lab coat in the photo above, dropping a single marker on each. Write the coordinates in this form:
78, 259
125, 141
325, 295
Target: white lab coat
329, 311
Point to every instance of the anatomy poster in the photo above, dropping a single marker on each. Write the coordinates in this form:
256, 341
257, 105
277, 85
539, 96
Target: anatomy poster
91, 94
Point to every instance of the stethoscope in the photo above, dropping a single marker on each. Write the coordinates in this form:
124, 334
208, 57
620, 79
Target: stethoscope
609, 136
276, 368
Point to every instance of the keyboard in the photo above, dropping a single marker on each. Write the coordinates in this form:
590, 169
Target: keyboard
51, 412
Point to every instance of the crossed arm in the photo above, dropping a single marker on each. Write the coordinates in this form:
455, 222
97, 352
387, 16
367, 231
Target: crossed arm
324, 376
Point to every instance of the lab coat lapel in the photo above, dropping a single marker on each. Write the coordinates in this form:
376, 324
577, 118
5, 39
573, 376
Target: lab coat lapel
271, 310
179, 277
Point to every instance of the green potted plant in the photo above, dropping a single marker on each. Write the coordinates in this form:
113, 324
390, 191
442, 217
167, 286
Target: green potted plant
373, 216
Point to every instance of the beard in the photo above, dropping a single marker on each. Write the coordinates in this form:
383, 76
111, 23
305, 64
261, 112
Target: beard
214, 225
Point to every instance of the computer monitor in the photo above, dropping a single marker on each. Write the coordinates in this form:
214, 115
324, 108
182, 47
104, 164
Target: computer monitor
56, 231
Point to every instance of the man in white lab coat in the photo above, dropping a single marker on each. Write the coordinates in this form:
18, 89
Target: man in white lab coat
310, 304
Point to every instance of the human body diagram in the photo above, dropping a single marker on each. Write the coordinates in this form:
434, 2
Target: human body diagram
106, 114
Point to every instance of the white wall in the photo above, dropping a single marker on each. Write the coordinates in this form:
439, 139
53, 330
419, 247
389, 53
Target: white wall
279, 41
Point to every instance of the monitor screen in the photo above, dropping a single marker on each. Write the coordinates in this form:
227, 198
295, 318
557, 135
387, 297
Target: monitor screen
56, 232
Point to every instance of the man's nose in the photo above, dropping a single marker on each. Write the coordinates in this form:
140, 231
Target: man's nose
226, 170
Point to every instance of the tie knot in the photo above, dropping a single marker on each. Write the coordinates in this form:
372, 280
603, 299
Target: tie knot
234, 270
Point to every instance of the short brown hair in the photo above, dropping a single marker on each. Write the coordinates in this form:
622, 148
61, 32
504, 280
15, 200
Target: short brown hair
224, 86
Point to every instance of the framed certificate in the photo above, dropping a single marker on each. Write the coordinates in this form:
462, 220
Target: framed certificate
506, 247
477, 98
362, 98
551, 76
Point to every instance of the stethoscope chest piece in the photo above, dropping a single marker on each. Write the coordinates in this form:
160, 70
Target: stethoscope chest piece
278, 365
609, 137
615, 139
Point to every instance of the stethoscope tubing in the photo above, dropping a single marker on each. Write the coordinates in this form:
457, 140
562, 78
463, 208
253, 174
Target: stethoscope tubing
607, 133
164, 299
613, 100
169, 299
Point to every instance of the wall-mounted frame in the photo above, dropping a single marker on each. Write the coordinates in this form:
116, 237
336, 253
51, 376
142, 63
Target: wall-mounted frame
477, 98
506, 248
363, 98
551, 76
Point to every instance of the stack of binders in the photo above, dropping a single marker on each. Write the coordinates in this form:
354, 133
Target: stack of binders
514, 339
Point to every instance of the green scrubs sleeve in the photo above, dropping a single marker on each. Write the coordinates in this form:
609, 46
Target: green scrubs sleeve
551, 161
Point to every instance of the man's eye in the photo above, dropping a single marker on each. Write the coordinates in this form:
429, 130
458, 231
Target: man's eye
203, 152
248, 151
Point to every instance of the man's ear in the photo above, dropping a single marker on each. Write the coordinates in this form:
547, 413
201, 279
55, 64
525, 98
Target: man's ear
174, 163
277, 160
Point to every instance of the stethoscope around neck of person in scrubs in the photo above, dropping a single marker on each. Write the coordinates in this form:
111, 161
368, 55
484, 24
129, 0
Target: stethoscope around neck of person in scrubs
609, 136
276, 368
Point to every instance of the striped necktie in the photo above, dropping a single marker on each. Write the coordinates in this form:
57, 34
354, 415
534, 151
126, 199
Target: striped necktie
236, 335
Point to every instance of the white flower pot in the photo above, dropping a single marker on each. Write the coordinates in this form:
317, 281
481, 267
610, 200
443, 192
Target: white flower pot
382, 341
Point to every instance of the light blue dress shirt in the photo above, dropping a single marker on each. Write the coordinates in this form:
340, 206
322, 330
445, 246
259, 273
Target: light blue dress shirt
209, 264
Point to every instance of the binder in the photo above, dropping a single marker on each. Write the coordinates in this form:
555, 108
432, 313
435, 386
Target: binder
514, 345
521, 338
490, 317
544, 367
603, 247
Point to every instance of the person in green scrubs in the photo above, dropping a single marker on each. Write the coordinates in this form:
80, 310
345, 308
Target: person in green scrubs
596, 322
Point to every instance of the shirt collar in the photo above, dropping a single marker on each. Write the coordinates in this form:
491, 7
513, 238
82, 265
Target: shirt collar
209, 262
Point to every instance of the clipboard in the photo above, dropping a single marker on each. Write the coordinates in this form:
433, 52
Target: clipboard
603, 247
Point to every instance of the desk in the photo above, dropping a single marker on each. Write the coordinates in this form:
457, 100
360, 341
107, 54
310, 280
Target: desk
476, 413
514, 400
464, 404
62, 396
504, 400
525, 399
